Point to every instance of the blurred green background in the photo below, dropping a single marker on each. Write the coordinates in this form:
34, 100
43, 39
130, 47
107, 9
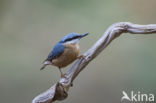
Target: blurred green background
30, 28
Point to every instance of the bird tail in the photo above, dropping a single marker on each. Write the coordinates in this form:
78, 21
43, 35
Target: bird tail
45, 64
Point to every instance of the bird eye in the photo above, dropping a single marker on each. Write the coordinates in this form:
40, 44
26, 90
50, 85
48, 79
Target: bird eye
69, 39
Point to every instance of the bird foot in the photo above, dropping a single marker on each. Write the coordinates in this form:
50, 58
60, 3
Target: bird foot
81, 56
63, 75
71, 84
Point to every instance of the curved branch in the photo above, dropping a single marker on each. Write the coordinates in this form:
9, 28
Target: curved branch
59, 90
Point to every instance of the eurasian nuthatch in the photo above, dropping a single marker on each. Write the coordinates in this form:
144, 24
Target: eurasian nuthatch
65, 51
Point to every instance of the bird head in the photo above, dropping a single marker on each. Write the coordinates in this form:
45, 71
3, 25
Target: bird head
72, 38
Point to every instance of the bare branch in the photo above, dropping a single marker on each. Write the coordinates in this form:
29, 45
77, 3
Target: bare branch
59, 90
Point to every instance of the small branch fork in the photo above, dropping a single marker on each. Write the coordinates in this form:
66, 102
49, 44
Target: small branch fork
59, 91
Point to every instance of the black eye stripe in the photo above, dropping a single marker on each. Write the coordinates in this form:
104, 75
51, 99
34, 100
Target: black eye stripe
69, 39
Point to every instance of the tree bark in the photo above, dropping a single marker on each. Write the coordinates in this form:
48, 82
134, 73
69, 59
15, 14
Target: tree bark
59, 91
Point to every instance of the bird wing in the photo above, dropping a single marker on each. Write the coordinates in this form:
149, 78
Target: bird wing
56, 52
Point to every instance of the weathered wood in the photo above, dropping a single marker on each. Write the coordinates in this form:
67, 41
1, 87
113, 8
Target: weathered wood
59, 91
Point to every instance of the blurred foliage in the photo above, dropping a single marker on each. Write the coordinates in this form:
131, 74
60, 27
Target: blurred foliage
30, 28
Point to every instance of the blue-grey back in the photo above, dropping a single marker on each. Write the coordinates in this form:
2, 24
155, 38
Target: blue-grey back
56, 51
69, 36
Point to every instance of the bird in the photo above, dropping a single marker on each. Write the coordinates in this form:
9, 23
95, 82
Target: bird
64, 52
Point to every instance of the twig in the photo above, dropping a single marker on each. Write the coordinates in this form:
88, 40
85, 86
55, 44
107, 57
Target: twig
59, 91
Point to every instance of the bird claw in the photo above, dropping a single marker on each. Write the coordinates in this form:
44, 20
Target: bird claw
63, 75
71, 84
81, 56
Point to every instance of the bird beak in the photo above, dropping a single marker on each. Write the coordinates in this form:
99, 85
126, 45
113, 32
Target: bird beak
83, 35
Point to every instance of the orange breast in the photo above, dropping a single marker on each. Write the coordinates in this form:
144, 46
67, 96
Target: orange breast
69, 55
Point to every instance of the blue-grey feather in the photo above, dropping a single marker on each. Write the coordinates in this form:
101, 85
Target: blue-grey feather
71, 35
59, 47
56, 52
